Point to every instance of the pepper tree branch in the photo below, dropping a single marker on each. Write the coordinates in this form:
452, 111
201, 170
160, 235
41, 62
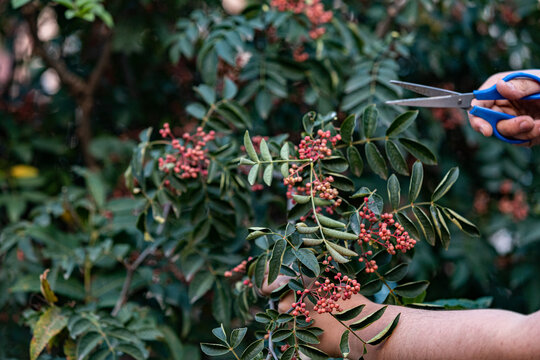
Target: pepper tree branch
393, 10
82, 89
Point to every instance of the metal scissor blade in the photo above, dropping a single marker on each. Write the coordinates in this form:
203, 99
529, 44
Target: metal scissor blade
422, 89
449, 101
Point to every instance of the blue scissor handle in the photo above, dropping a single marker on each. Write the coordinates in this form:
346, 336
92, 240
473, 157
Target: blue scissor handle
493, 117
492, 93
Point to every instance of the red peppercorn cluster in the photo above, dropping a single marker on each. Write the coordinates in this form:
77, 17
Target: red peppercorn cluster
313, 9
317, 148
314, 149
190, 159
384, 231
240, 268
299, 55
515, 205
327, 293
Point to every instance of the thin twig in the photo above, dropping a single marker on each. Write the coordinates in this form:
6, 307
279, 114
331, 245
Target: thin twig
131, 269
393, 10
129, 278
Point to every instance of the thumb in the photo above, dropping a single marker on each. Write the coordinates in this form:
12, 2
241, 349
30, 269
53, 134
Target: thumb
517, 88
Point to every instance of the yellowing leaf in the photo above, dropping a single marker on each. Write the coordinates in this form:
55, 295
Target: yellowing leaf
23, 171
50, 323
46, 288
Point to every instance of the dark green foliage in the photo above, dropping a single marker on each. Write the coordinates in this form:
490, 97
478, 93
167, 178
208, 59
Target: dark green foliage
137, 256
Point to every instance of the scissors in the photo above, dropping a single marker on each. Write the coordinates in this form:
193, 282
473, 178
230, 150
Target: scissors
441, 98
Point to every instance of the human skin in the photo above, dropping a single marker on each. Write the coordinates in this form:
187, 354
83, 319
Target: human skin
526, 124
430, 334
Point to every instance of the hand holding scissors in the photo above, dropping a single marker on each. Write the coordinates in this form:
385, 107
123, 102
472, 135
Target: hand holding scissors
509, 98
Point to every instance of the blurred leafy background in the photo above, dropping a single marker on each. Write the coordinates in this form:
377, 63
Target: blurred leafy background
80, 80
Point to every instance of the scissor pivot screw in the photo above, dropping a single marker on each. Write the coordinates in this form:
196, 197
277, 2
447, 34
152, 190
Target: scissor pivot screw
460, 101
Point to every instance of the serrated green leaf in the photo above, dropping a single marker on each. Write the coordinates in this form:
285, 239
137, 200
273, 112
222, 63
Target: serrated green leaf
344, 344
288, 354
263, 103
276, 260
372, 287
350, 314
306, 336
362, 192
246, 161
301, 199
404, 221
335, 255
308, 120
368, 320
396, 158
229, 89
207, 93
214, 349
443, 232
253, 173
304, 229
237, 335
281, 334
201, 283
253, 349
340, 182
265, 152
375, 160
326, 221
250, 149
284, 152
268, 173
49, 324
341, 249
341, 235
347, 129
335, 163
284, 169
401, 123
461, 222
131, 350
312, 242
219, 332
87, 343
260, 270
196, 110
397, 273
445, 184
313, 353
416, 181
425, 225
356, 164
370, 119
384, 333
255, 234
394, 191
419, 151
307, 258
411, 289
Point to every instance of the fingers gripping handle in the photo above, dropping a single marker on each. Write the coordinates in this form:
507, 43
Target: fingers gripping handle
493, 117
492, 93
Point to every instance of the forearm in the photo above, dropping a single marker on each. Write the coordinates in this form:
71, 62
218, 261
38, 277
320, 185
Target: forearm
428, 334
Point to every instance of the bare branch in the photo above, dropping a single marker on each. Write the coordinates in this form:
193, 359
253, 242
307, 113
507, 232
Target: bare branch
75, 83
393, 10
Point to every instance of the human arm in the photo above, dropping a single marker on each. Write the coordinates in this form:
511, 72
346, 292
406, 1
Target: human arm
526, 124
430, 334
